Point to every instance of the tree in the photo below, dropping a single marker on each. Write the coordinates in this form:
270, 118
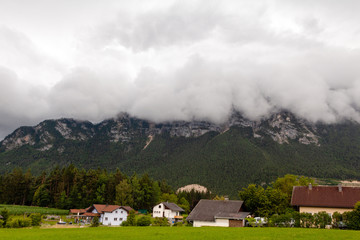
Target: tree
95, 222
41, 196
167, 197
254, 199
100, 193
123, 193
286, 183
184, 204
131, 221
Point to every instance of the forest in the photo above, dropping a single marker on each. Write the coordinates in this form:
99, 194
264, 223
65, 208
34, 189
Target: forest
70, 187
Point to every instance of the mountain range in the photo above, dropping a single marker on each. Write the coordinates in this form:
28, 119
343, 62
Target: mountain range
223, 157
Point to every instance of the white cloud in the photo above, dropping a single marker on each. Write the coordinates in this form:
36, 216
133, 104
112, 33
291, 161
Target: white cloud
181, 60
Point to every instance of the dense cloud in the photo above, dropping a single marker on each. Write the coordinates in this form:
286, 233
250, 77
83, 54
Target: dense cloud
184, 60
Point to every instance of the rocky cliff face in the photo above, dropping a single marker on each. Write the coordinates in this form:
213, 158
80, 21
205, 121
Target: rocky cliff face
282, 128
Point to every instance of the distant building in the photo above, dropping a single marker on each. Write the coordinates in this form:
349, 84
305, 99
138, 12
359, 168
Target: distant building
169, 210
314, 199
218, 213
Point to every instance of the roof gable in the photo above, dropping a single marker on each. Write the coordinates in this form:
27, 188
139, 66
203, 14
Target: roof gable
101, 208
325, 196
173, 207
207, 210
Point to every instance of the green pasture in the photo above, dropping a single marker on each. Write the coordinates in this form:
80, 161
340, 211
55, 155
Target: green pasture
19, 210
177, 233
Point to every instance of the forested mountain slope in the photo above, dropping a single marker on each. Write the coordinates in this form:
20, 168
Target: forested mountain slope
223, 157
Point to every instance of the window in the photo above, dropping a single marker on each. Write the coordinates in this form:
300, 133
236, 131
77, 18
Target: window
115, 211
121, 211
115, 219
106, 219
121, 219
159, 206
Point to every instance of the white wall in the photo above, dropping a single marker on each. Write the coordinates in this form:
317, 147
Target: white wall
101, 215
109, 217
217, 223
160, 211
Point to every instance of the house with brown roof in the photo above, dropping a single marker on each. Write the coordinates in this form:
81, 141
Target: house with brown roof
314, 199
218, 213
111, 215
169, 210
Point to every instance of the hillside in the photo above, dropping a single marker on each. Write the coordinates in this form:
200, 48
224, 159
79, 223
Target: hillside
223, 158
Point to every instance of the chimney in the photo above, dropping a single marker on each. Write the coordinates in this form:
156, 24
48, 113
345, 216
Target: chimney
310, 186
340, 187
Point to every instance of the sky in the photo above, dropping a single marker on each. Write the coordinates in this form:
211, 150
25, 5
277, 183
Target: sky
178, 60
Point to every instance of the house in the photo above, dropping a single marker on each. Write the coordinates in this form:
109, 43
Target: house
169, 210
314, 199
218, 213
111, 215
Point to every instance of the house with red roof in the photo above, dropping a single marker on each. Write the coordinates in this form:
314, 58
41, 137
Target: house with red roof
314, 199
110, 215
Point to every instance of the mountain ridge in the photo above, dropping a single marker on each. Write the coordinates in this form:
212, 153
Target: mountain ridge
223, 157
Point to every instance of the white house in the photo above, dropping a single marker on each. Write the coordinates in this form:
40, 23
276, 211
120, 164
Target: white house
114, 216
216, 213
110, 215
169, 210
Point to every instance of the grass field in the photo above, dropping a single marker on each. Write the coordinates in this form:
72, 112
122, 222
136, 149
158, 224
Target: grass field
19, 210
177, 233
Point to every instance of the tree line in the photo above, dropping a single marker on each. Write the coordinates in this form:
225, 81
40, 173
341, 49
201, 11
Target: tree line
70, 187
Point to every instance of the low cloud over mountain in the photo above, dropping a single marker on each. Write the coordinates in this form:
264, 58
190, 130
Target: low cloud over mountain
179, 60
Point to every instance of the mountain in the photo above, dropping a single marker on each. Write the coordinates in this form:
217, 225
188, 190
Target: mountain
223, 157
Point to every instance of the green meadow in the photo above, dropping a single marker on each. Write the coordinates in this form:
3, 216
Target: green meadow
177, 233
19, 210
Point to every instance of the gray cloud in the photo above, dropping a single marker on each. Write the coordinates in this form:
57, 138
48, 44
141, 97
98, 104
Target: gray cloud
190, 60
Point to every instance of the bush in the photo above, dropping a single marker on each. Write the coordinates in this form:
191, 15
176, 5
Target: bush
2, 223
321, 219
5, 214
131, 221
283, 220
352, 219
35, 219
178, 224
306, 220
143, 221
125, 224
161, 222
18, 223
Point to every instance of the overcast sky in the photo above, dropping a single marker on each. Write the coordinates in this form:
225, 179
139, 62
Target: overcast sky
178, 60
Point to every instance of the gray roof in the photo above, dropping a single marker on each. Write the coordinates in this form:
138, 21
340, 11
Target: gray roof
237, 216
173, 207
208, 210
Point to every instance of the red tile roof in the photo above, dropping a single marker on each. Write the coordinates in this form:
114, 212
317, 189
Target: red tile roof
110, 208
100, 208
127, 208
75, 211
89, 214
325, 196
